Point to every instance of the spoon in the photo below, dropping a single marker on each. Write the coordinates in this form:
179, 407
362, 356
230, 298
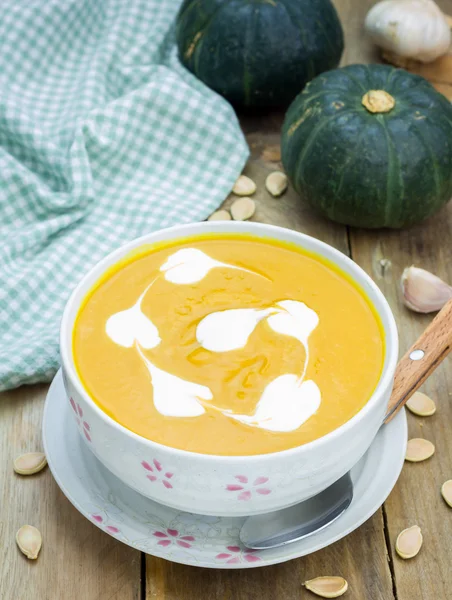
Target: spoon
291, 524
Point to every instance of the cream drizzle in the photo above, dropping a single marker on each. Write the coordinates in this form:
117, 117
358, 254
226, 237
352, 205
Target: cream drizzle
286, 402
285, 405
132, 325
191, 265
229, 329
173, 396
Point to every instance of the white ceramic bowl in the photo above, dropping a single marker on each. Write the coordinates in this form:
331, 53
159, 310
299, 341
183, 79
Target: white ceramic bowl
217, 485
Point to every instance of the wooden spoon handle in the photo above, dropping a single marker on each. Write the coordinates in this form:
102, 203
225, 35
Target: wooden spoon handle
421, 360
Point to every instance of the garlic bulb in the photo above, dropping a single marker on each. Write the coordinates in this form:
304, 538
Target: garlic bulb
424, 292
409, 28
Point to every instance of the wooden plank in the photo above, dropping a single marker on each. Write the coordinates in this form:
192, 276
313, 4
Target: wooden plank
77, 560
358, 48
361, 558
416, 499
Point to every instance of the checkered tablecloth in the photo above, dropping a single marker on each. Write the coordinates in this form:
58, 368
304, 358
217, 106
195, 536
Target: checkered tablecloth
103, 137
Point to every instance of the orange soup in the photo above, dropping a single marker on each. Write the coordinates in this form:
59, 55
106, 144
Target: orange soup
228, 345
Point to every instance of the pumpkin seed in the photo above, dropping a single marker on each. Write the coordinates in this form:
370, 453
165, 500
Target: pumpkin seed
446, 492
419, 449
220, 215
271, 154
29, 540
421, 405
276, 183
244, 186
409, 542
30, 463
327, 587
243, 209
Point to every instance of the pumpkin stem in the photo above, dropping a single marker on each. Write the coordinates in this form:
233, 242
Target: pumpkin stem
378, 101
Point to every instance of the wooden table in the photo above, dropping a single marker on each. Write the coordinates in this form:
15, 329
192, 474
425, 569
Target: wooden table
78, 561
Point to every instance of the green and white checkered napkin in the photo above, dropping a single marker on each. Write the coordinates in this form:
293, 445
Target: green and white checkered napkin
103, 137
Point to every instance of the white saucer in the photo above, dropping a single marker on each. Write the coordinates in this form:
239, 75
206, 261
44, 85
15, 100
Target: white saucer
194, 539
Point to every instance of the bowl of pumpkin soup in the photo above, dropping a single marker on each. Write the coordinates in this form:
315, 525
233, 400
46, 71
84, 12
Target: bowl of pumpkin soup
228, 368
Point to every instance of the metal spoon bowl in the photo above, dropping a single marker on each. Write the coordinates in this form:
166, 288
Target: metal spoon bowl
299, 521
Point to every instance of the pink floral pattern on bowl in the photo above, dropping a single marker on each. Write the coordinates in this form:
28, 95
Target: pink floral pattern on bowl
246, 489
172, 536
236, 554
110, 528
80, 422
155, 473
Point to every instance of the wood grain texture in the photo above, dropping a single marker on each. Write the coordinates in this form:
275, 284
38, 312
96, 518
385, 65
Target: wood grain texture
416, 499
358, 48
360, 558
77, 560
436, 343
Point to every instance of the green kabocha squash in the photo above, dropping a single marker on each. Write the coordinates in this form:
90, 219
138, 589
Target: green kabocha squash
370, 146
258, 52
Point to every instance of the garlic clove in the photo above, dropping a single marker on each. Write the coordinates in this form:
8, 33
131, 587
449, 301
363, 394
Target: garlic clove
424, 292
409, 28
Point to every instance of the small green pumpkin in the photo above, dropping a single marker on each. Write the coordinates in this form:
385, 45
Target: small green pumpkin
370, 146
258, 52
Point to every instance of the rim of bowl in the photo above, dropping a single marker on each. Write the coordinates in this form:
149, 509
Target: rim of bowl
268, 232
